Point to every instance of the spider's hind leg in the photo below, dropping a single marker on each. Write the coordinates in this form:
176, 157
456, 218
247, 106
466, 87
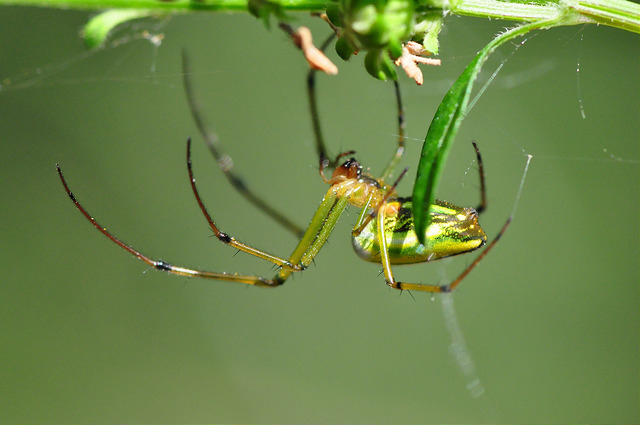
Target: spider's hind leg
224, 161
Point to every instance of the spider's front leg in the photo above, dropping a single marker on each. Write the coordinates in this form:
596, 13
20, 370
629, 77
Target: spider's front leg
163, 265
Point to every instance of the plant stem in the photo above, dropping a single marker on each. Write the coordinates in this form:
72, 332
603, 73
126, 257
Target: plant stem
616, 13
175, 6
505, 10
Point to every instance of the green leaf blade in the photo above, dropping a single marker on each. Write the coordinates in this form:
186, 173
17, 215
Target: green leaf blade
446, 122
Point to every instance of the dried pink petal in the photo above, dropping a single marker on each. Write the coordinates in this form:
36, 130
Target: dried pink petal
314, 56
411, 56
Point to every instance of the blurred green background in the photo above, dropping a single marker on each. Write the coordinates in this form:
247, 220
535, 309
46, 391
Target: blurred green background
89, 334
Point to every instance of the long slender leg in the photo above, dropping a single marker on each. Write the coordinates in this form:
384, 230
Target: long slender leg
313, 239
401, 126
386, 264
225, 238
321, 226
224, 161
317, 234
321, 148
159, 264
483, 189
435, 288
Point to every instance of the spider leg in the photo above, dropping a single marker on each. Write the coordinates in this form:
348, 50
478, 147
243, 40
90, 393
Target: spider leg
321, 147
483, 190
321, 226
291, 265
401, 126
319, 230
388, 273
224, 161
159, 264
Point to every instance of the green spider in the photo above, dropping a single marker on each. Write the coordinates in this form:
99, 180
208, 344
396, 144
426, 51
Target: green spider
384, 232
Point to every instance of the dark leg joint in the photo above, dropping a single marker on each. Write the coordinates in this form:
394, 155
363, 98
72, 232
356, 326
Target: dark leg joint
162, 265
224, 237
277, 281
394, 285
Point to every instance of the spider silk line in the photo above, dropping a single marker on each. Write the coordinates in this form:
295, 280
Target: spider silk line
458, 346
578, 85
484, 87
521, 186
494, 74
460, 353
43, 76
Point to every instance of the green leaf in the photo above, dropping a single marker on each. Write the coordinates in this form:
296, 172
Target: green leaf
446, 122
426, 31
98, 28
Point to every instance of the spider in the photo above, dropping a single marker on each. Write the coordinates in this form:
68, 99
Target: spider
383, 233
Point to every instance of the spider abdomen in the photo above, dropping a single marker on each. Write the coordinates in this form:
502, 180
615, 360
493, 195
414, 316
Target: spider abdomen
453, 230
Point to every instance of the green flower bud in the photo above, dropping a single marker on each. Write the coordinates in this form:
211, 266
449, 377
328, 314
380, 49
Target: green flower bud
344, 49
379, 65
377, 24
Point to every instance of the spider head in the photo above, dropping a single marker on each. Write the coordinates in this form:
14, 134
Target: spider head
350, 169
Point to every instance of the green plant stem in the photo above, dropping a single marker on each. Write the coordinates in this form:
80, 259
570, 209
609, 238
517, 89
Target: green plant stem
616, 13
175, 6
505, 10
